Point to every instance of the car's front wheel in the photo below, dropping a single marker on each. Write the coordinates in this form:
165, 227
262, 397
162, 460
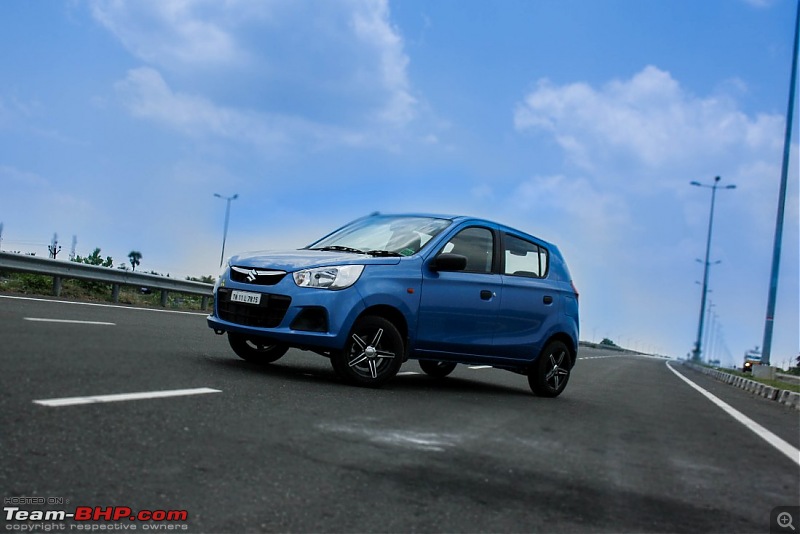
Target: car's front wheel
373, 353
256, 350
436, 369
550, 373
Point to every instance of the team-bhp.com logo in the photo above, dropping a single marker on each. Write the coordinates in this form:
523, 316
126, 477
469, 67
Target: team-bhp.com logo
85, 515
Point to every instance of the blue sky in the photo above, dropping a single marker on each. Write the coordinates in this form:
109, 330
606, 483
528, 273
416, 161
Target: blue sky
579, 121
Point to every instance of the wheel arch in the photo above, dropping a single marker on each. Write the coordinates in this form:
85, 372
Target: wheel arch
391, 314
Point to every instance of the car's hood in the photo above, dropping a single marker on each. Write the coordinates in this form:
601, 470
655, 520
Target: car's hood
295, 260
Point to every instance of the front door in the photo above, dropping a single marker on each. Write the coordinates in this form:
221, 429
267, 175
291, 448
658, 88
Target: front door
458, 310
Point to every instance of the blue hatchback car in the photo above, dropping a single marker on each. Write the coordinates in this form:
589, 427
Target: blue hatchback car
387, 288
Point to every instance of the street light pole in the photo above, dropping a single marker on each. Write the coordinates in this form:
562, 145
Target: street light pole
227, 217
776, 248
698, 344
709, 311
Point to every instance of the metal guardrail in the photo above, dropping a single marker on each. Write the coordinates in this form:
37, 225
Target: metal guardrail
60, 269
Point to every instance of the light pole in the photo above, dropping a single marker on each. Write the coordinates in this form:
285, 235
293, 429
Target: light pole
776, 247
227, 216
698, 344
709, 319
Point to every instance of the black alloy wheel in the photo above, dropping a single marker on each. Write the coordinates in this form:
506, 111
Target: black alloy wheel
550, 373
373, 353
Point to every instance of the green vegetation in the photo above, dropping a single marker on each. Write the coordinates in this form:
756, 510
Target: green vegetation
95, 259
135, 258
39, 284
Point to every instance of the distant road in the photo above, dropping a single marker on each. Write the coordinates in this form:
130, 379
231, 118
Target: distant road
629, 447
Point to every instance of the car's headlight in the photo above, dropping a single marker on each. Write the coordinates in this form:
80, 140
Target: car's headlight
329, 277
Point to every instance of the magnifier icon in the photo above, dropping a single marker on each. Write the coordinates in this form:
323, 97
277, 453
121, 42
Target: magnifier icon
785, 520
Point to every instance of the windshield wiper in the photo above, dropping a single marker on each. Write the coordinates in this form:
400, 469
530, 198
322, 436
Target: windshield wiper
383, 253
337, 248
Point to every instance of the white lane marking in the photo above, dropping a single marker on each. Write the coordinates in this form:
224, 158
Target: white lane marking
71, 401
784, 447
407, 373
102, 305
69, 321
480, 367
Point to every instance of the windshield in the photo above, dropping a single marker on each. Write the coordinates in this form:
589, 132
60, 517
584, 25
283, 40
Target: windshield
388, 235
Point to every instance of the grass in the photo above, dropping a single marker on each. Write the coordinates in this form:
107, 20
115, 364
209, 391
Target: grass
773, 383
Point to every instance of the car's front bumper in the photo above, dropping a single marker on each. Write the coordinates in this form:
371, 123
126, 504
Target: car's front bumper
295, 316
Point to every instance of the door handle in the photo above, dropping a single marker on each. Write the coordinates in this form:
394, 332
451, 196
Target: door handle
547, 299
486, 294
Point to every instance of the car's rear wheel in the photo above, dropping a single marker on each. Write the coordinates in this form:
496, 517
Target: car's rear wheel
550, 373
373, 353
256, 350
436, 369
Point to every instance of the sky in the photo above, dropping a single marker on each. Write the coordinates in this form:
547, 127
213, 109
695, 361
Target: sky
582, 122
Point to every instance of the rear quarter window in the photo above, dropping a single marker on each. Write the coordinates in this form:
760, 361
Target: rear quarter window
524, 258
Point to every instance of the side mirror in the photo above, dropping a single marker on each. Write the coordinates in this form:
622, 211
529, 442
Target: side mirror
449, 262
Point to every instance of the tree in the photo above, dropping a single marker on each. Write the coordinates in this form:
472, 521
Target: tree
135, 257
95, 259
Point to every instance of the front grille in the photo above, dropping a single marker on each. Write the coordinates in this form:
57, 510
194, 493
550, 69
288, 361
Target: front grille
250, 275
268, 314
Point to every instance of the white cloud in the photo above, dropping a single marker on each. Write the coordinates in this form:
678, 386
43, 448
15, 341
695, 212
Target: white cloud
760, 3
622, 208
372, 26
578, 199
13, 176
169, 32
335, 71
147, 95
649, 121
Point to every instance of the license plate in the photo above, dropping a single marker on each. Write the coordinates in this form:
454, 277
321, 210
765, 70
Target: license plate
246, 296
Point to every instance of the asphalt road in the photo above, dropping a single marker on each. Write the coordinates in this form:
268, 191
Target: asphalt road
629, 447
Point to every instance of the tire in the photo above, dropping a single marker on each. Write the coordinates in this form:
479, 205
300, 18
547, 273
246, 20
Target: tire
256, 350
436, 369
550, 372
372, 354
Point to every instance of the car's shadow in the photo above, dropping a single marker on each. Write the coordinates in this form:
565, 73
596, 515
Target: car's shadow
296, 369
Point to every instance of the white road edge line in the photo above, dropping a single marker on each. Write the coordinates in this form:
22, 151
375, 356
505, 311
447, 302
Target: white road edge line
784, 447
71, 401
407, 373
69, 321
102, 305
480, 367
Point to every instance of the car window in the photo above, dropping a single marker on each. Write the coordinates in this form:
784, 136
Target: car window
477, 244
404, 235
523, 258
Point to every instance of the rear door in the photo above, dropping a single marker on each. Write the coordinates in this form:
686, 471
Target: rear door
529, 303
